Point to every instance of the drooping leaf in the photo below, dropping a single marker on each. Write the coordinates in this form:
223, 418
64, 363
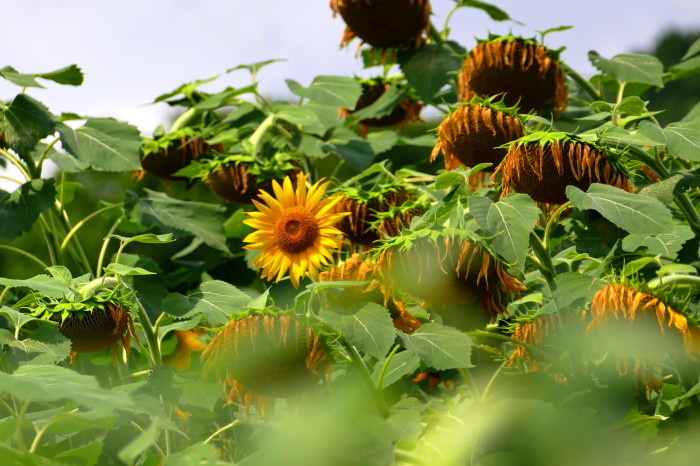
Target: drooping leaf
302, 116
693, 50
683, 70
379, 108
103, 144
400, 365
27, 121
199, 219
440, 346
631, 212
429, 68
121, 269
224, 97
336, 91
630, 68
682, 139
368, 327
186, 89
509, 221
21, 79
71, 75
44, 284
493, 11
357, 153
255, 67
21, 208
148, 238
215, 299
574, 289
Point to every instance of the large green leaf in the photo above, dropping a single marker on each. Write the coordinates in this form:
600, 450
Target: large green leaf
368, 327
357, 153
21, 208
666, 190
27, 121
45, 346
85, 455
440, 346
215, 299
630, 68
302, 116
103, 144
139, 444
631, 212
48, 286
384, 105
430, 67
509, 221
336, 91
573, 290
199, 219
667, 245
71, 75
681, 139
47, 383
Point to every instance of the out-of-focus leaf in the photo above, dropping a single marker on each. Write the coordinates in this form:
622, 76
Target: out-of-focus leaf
336, 91
509, 221
139, 444
493, 11
103, 144
86, 455
575, 289
71, 75
631, 212
667, 245
693, 50
199, 219
666, 190
215, 299
302, 116
632, 68
27, 121
199, 453
430, 67
357, 153
222, 98
368, 327
21, 208
440, 346
186, 89
400, 365
684, 69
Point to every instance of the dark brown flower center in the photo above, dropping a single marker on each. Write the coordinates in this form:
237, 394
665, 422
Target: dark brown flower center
296, 230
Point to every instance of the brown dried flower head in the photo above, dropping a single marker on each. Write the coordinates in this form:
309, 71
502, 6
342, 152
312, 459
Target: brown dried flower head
384, 23
523, 70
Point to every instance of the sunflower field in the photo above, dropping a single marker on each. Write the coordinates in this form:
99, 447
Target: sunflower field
331, 280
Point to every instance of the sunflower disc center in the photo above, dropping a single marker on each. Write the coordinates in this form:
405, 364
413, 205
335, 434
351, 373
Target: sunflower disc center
296, 230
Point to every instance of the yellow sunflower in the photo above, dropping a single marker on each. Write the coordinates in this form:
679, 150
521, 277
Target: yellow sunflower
295, 230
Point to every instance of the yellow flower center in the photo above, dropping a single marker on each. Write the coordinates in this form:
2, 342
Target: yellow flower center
296, 230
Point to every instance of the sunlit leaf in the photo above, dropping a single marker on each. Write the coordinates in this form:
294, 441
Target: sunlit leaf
631, 212
402, 364
216, 300
336, 91
633, 68
440, 346
682, 139
667, 245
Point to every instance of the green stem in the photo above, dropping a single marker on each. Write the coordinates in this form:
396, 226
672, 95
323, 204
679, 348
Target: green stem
223, 429
44, 154
19, 435
26, 254
488, 386
103, 249
469, 379
581, 81
550, 224
186, 118
150, 335
385, 366
4, 293
449, 17
16, 162
359, 364
435, 34
545, 259
11, 179
51, 244
676, 279
620, 95
89, 217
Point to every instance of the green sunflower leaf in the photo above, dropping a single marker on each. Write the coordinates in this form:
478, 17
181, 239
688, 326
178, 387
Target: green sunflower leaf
368, 327
440, 346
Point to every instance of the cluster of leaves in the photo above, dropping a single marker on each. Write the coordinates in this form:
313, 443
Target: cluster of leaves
453, 391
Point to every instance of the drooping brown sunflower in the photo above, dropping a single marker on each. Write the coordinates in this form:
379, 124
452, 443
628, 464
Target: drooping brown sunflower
385, 23
97, 329
446, 269
473, 133
234, 183
406, 111
380, 216
165, 155
543, 164
533, 332
295, 231
357, 269
527, 73
262, 356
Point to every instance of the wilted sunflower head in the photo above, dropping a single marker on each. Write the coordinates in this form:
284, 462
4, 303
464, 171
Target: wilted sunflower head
637, 324
447, 268
378, 213
295, 230
542, 164
474, 132
528, 74
406, 110
385, 23
168, 153
265, 355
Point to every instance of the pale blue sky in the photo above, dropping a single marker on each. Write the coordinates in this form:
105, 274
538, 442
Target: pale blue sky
133, 50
